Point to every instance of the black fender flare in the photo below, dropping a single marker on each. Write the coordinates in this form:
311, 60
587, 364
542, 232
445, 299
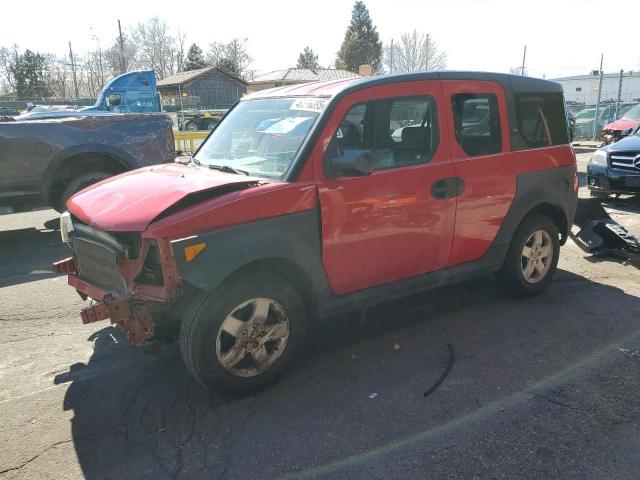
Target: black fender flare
547, 191
294, 239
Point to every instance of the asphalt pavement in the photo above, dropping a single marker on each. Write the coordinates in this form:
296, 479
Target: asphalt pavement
460, 383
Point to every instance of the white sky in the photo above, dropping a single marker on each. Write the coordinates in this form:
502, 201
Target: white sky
563, 37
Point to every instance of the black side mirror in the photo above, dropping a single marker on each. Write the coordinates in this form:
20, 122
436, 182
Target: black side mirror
626, 132
352, 163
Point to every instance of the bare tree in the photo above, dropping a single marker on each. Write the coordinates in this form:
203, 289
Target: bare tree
58, 75
415, 51
155, 46
8, 58
181, 39
113, 57
93, 70
232, 57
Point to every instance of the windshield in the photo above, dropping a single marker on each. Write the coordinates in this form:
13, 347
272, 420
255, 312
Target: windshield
633, 114
261, 137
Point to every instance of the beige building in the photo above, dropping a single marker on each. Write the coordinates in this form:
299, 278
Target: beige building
291, 76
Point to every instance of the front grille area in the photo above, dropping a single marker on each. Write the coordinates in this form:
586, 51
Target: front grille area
97, 259
624, 162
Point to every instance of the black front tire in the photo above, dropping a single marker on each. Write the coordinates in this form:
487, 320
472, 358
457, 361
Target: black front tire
203, 321
77, 184
511, 276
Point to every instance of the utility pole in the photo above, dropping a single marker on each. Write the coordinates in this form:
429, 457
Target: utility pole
121, 42
524, 57
391, 58
595, 120
73, 71
619, 93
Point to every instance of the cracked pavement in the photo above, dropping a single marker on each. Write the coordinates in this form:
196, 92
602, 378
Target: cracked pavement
537, 388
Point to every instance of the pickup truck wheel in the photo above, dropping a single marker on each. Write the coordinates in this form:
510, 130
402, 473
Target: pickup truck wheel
532, 257
77, 184
240, 338
191, 126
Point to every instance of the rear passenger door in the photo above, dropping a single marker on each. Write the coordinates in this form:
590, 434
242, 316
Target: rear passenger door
398, 221
480, 152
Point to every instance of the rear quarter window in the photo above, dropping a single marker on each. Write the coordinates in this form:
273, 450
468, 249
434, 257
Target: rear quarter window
541, 120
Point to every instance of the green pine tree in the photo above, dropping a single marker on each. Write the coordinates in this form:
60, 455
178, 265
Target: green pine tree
195, 58
29, 72
361, 43
308, 59
228, 65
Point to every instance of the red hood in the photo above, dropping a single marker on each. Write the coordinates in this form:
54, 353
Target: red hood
621, 124
129, 202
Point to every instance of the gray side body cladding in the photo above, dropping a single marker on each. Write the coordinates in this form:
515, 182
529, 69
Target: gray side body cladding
297, 239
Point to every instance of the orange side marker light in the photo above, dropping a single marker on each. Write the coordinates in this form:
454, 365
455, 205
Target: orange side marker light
192, 251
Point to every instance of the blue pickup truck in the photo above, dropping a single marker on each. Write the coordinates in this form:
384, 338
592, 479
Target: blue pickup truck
131, 92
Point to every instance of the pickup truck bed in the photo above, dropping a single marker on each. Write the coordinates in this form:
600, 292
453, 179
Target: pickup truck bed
43, 162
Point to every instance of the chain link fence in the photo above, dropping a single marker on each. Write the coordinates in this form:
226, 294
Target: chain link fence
618, 95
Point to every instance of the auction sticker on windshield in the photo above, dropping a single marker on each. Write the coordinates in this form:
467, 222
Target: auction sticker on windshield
310, 104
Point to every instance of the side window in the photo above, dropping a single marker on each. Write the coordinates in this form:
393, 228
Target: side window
541, 120
477, 123
397, 132
114, 100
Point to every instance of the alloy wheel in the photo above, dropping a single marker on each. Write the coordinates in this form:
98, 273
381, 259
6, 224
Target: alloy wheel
252, 337
537, 256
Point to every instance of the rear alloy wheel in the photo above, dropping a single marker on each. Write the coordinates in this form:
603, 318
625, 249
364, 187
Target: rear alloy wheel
532, 257
240, 338
537, 255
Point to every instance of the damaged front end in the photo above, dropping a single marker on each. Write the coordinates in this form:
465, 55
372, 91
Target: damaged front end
598, 234
130, 278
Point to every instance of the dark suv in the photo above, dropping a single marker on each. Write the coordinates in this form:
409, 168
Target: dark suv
315, 199
615, 168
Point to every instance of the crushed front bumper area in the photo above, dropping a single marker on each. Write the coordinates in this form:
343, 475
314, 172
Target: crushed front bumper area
132, 308
599, 234
131, 316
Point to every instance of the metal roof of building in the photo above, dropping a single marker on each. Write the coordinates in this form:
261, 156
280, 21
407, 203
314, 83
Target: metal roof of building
181, 78
304, 75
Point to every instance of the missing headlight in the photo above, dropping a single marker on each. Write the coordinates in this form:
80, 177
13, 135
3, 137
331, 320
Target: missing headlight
151, 273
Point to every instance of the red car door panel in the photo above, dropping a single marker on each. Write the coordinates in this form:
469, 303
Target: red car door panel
489, 180
385, 226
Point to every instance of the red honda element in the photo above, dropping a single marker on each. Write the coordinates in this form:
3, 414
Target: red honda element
320, 198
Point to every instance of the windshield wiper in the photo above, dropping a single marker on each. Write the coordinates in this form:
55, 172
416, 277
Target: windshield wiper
194, 161
228, 169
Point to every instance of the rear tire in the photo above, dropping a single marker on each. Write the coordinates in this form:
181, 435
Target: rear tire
191, 126
532, 257
77, 184
252, 357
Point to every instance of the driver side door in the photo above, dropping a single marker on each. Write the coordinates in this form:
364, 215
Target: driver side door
398, 221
